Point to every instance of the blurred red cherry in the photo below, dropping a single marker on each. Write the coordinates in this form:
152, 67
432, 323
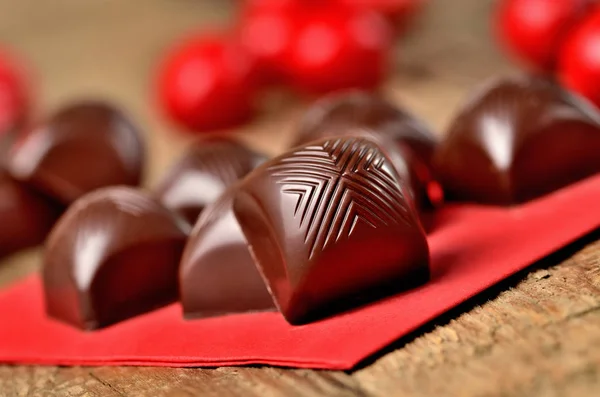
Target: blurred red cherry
271, 4
399, 12
207, 83
335, 47
13, 95
579, 63
264, 30
534, 30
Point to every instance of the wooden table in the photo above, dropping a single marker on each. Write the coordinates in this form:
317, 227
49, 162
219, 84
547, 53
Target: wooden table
537, 334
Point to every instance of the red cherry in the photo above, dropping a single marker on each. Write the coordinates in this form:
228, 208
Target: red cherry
206, 84
579, 63
264, 31
398, 12
13, 96
533, 30
335, 48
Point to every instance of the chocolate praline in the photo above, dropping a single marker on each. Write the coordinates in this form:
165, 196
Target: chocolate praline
518, 138
354, 108
114, 254
356, 112
217, 272
26, 216
82, 147
203, 173
330, 221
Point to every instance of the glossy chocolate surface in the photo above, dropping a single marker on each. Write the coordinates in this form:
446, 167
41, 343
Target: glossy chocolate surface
518, 138
26, 216
217, 273
203, 174
356, 112
114, 254
334, 114
81, 148
328, 222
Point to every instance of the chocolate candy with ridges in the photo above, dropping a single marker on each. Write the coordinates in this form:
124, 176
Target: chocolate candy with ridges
217, 273
203, 174
328, 222
518, 138
26, 216
81, 148
114, 254
355, 112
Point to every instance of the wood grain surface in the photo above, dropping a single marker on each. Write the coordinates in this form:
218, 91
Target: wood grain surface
537, 334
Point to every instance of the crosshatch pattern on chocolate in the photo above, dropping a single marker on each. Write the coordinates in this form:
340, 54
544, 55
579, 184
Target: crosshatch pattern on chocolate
339, 184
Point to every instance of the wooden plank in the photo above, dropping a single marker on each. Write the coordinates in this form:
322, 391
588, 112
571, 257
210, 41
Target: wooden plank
536, 338
534, 335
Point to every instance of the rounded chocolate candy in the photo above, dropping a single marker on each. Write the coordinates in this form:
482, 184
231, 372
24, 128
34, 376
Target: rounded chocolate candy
203, 173
26, 216
328, 222
81, 148
114, 254
334, 114
356, 112
217, 273
518, 138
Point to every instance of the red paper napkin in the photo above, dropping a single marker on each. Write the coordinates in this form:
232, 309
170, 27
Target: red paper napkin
472, 248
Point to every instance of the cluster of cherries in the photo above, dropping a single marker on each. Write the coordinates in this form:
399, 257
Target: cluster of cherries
557, 37
211, 81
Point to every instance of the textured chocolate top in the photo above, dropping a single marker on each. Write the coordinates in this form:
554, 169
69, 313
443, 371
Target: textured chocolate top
328, 221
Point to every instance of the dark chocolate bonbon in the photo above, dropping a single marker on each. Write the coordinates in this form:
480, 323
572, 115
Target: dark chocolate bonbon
355, 112
217, 273
114, 254
26, 216
203, 173
518, 138
346, 110
329, 221
83, 147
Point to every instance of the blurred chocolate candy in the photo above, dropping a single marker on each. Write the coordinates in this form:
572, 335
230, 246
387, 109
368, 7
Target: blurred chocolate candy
334, 114
114, 254
26, 216
203, 173
81, 148
328, 222
518, 138
356, 112
217, 274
